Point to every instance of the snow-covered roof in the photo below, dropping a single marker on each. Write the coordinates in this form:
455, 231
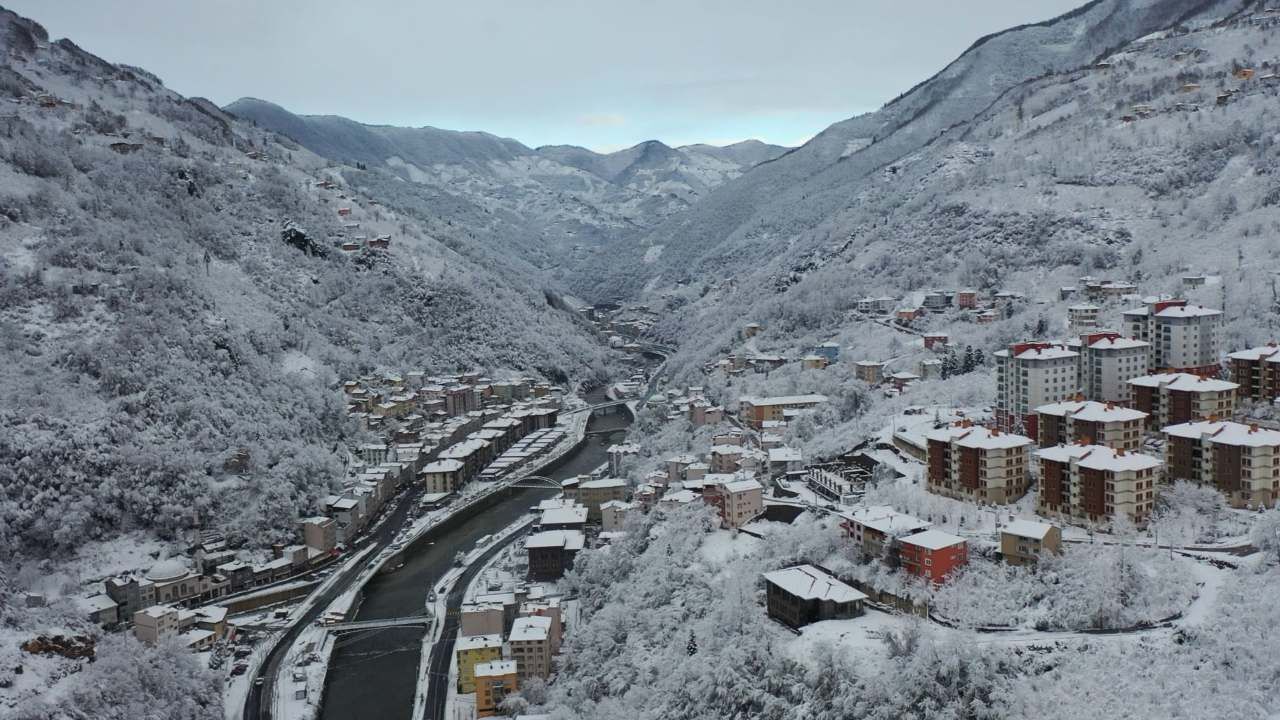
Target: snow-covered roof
1226, 432
443, 466
615, 504
681, 496
1118, 343
495, 668
976, 436
738, 486
1111, 460
465, 448
1063, 453
602, 483
564, 539
785, 454
1049, 353
933, 540
571, 515
478, 642
726, 449
885, 519
1027, 529
1185, 311
96, 603
1184, 381
531, 628
785, 400
1266, 351
1091, 411
809, 583
903, 375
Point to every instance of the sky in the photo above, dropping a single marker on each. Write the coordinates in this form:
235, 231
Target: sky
599, 73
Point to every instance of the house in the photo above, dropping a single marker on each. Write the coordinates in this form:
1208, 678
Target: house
1175, 398
1257, 372
876, 306
567, 516
100, 610
494, 681
803, 594
829, 350
876, 529
530, 643
594, 493
783, 460
552, 552
1183, 337
813, 362
1028, 375
967, 299
933, 555
869, 371
472, 650
613, 515
756, 411
1095, 484
900, 380
929, 369
1022, 542
970, 462
934, 341
738, 501
726, 458
908, 315
1241, 461
152, 624
1094, 422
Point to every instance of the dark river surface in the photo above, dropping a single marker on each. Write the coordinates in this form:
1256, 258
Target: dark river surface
375, 675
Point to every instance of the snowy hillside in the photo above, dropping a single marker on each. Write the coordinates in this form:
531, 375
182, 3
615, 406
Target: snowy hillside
171, 296
1058, 177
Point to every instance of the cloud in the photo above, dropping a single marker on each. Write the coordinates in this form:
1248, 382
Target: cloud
602, 120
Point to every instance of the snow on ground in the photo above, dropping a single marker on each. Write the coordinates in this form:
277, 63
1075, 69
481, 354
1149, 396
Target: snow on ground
724, 546
861, 637
300, 685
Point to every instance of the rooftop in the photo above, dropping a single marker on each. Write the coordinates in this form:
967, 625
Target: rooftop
785, 400
531, 628
565, 539
495, 668
933, 540
976, 436
1226, 432
1091, 411
1027, 529
602, 483
885, 519
1184, 381
809, 583
478, 642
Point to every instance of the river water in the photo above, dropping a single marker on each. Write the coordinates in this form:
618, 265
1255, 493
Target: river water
375, 675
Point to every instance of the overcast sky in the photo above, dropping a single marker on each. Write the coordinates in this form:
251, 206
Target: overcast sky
598, 73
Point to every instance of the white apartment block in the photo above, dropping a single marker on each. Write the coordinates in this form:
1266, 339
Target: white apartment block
1028, 375
1184, 338
1107, 363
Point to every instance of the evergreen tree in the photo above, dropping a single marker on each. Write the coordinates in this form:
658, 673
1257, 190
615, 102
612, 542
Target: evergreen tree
692, 647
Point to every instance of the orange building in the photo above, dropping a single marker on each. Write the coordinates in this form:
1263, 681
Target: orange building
933, 554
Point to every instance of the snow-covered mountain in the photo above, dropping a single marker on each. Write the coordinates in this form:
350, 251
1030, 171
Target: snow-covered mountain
171, 296
553, 206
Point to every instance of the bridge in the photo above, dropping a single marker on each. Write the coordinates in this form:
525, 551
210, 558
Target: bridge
599, 433
379, 624
536, 481
597, 406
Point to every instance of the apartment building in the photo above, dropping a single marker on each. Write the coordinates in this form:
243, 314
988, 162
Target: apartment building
1082, 318
1183, 337
1107, 363
870, 372
756, 411
970, 462
494, 681
1093, 422
597, 492
1095, 484
442, 476
933, 555
472, 650
1257, 372
1174, 398
1028, 375
552, 552
530, 643
738, 501
1022, 542
1241, 461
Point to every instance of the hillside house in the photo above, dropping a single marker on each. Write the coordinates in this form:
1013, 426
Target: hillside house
804, 594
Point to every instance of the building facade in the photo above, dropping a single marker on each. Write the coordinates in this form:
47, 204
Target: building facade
803, 594
1092, 422
1174, 398
933, 555
1029, 375
1094, 484
1257, 372
970, 462
1107, 363
1183, 337
1241, 461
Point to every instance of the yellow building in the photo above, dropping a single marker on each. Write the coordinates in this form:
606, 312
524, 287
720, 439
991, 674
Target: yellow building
494, 682
473, 650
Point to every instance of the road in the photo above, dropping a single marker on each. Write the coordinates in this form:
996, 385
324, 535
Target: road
442, 651
257, 704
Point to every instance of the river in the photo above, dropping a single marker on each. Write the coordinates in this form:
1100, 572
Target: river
375, 675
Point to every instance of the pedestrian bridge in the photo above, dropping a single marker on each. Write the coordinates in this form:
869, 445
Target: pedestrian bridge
379, 623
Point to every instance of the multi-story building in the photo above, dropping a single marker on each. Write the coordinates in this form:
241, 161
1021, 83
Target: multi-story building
869, 371
594, 493
1107, 363
1022, 542
970, 462
1242, 461
738, 501
613, 515
1174, 398
1184, 338
756, 411
806, 594
1095, 484
152, 624
876, 529
552, 552
1093, 422
1082, 318
494, 681
320, 533
933, 554
530, 643
1257, 372
1029, 375
482, 619
471, 651
442, 476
